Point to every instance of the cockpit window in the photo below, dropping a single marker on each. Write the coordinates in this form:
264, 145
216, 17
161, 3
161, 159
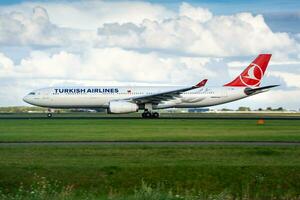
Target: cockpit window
32, 93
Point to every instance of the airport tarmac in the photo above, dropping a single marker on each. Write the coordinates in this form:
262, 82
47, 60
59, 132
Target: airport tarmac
171, 116
162, 143
140, 118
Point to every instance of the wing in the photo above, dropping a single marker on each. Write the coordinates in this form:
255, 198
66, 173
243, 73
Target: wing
164, 96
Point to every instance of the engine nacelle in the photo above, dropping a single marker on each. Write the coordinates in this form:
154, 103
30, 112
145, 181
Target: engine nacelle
122, 107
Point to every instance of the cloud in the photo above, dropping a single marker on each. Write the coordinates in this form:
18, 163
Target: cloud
36, 30
92, 14
107, 64
6, 64
239, 64
291, 79
192, 31
196, 13
274, 98
196, 31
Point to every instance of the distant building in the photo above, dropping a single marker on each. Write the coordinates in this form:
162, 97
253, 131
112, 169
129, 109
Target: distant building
83, 110
198, 110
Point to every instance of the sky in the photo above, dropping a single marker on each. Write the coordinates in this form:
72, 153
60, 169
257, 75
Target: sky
55, 43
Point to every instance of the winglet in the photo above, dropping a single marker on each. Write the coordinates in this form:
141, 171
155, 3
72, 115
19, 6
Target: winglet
201, 84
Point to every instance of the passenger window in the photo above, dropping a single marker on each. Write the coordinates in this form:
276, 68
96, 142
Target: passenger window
32, 93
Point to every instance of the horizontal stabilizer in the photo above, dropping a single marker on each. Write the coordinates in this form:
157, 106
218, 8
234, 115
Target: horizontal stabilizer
250, 91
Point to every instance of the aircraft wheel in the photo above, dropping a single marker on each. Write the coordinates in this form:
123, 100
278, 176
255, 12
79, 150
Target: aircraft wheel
49, 115
155, 115
146, 114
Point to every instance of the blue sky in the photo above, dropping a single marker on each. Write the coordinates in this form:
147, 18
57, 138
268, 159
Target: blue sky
47, 43
233, 6
217, 6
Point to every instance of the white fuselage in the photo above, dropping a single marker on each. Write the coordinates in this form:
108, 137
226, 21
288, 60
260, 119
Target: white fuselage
99, 97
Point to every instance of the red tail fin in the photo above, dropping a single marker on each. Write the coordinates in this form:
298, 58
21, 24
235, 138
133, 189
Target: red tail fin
252, 75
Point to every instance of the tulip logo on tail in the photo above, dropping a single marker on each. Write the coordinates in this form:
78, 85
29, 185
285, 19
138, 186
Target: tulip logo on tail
253, 76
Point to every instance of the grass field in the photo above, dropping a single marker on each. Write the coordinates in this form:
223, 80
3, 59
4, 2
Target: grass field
113, 170
145, 171
148, 130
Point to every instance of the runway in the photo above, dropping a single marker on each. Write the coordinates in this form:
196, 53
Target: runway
139, 118
164, 116
159, 143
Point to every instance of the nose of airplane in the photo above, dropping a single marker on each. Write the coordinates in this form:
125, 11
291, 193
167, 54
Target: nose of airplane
26, 99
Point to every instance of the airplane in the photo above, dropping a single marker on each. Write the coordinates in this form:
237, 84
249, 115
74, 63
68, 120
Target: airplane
128, 99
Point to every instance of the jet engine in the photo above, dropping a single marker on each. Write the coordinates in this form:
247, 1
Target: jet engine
122, 107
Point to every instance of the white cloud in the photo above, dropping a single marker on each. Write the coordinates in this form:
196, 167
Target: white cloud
196, 13
92, 14
6, 64
36, 30
196, 31
278, 98
274, 98
107, 64
291, 79
192, 31
239, 64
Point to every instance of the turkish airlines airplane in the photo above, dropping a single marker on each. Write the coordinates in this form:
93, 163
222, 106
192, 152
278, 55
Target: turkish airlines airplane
131, 99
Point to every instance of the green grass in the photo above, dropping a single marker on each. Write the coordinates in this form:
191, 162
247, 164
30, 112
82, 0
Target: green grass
148, 130
43, 189
185, 170
148, 172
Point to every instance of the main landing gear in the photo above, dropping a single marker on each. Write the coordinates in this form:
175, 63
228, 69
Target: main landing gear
49, 113
148, 114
